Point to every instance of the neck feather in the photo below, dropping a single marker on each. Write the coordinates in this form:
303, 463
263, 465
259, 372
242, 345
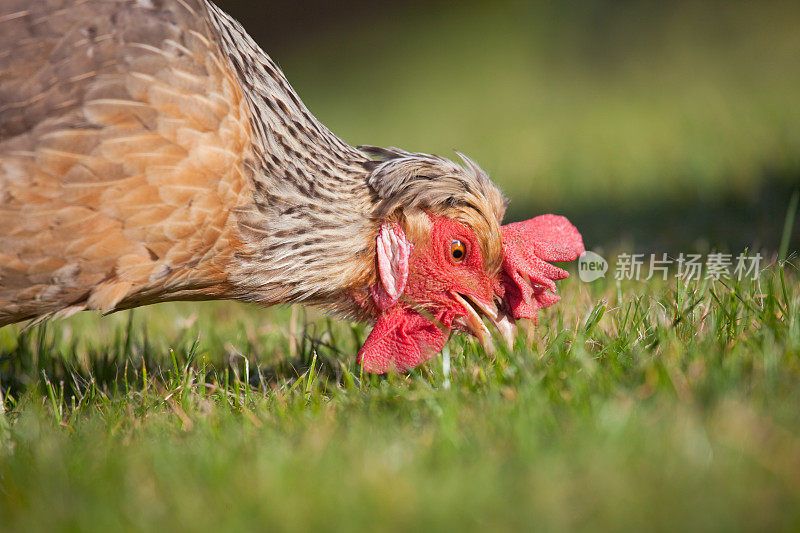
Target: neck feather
308, 231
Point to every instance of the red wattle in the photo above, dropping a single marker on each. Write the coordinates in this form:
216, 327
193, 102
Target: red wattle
401, 340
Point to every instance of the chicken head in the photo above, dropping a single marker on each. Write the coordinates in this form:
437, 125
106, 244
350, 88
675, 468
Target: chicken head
438, 282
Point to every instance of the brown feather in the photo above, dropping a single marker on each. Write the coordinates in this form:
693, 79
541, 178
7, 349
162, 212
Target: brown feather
111, 172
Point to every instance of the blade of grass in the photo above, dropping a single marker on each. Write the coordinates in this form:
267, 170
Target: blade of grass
788, 226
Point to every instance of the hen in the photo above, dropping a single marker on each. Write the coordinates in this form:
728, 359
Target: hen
150, 151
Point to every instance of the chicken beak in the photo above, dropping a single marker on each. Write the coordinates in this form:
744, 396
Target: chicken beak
475, 324
505, 325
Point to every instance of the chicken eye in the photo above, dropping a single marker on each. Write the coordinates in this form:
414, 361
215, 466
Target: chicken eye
457, 250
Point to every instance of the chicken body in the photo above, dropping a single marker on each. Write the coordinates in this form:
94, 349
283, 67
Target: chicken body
150, 151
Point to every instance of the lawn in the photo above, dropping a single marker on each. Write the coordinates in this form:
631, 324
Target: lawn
657, 405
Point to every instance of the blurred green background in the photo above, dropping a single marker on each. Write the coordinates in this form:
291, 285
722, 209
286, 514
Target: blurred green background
659, 126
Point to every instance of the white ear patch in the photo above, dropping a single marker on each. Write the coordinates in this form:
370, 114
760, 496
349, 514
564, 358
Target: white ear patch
394, 251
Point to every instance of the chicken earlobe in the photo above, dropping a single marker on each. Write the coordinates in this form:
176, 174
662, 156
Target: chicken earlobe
393, 251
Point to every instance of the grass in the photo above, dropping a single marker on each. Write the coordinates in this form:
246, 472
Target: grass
658, 405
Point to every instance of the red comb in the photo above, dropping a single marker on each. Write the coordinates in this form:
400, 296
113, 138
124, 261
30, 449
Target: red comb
527, 282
